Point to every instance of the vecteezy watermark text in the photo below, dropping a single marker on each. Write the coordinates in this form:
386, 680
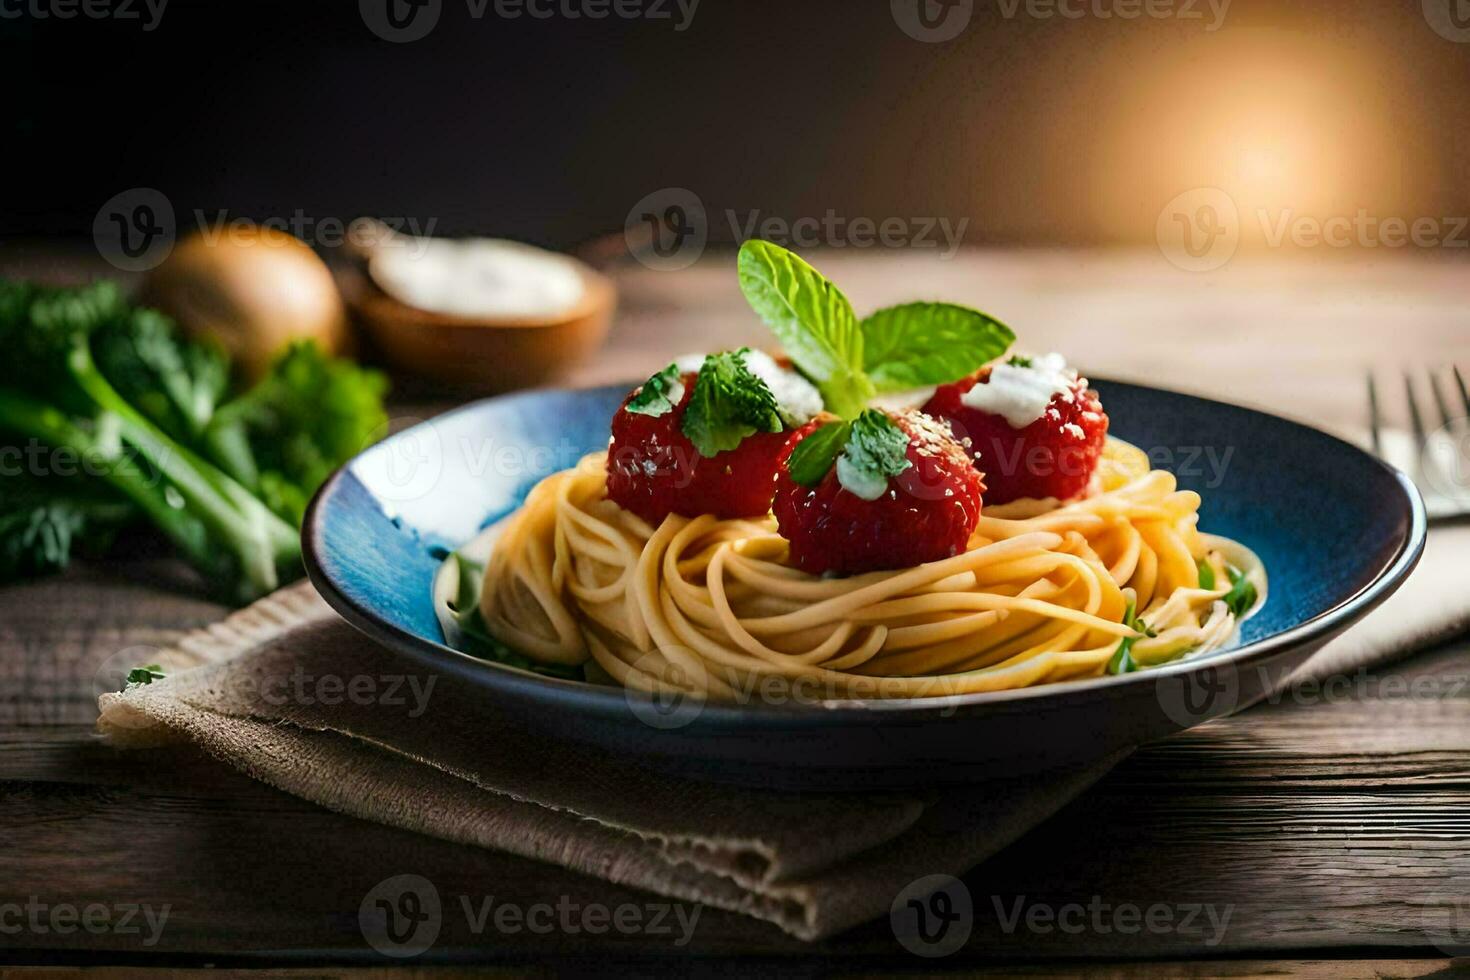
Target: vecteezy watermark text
402, 21
39, 918
1201, 229
1101, 918
148, 13
402, 917
135, 230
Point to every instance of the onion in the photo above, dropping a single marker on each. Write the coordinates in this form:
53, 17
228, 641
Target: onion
252, 290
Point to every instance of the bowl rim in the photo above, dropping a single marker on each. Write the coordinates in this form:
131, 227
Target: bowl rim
607, 700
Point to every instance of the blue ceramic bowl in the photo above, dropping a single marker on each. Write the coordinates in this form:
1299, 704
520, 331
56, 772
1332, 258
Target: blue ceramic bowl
1337, 529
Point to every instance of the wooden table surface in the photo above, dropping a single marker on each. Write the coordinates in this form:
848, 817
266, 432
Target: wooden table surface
1335, 835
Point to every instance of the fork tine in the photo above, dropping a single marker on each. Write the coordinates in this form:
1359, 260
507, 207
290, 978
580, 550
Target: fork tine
1439, 401
1414, 417
1464, 394
1375, 420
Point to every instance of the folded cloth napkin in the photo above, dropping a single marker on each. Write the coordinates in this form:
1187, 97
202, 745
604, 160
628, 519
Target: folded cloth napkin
271, 694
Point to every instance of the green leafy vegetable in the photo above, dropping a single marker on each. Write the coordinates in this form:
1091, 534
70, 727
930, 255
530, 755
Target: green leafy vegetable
126, 412
813, 320
1019, 361
813, 457
728, 404
43, 520
1242, 595
1122, 661
1206, 575
285, 436
920, 344
653, 398
144, 675
175, 384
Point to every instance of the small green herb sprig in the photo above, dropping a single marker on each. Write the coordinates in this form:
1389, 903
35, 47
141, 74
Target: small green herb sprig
871, 445
1123, 662
729, 402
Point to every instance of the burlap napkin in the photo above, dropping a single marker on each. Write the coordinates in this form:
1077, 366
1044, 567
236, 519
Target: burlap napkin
272, 695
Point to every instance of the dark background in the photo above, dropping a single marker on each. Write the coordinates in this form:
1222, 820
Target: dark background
1038, 131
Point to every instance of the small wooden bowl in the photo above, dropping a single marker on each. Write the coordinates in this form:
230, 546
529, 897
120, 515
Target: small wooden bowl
493, 354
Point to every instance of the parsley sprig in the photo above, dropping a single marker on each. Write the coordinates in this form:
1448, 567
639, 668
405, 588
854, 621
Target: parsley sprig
849, 360
143, 675
1123, 662
658, 394
729, 402
1242, 595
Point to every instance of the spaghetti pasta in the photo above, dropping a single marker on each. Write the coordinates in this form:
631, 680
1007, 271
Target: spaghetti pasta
1044, 592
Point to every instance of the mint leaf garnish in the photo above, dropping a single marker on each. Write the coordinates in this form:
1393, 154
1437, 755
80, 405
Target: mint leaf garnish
728, 404
918, 344
144, 675
813, 457
812, 319
1242, 595
656, 396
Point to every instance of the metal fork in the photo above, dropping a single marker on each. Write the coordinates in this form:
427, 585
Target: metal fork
1435, 451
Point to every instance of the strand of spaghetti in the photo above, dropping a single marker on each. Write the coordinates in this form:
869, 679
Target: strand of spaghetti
896, 583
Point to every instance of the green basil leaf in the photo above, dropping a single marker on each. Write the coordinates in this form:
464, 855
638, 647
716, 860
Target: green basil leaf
655, 396
813, 457
919, 344
729, 403
812, 319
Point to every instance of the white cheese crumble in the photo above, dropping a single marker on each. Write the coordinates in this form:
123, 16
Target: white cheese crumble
1020, 394
865, 485
479, 277
797, 397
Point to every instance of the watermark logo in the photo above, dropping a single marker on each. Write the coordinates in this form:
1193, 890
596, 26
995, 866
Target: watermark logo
667, 230
124, 670
400, 21
932, 21
1195, 697
833, 230
1446, 919
1450, 19
932, 916
679, 680
401, 916
407, 466
135, 229
1199, 230
1444, 461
